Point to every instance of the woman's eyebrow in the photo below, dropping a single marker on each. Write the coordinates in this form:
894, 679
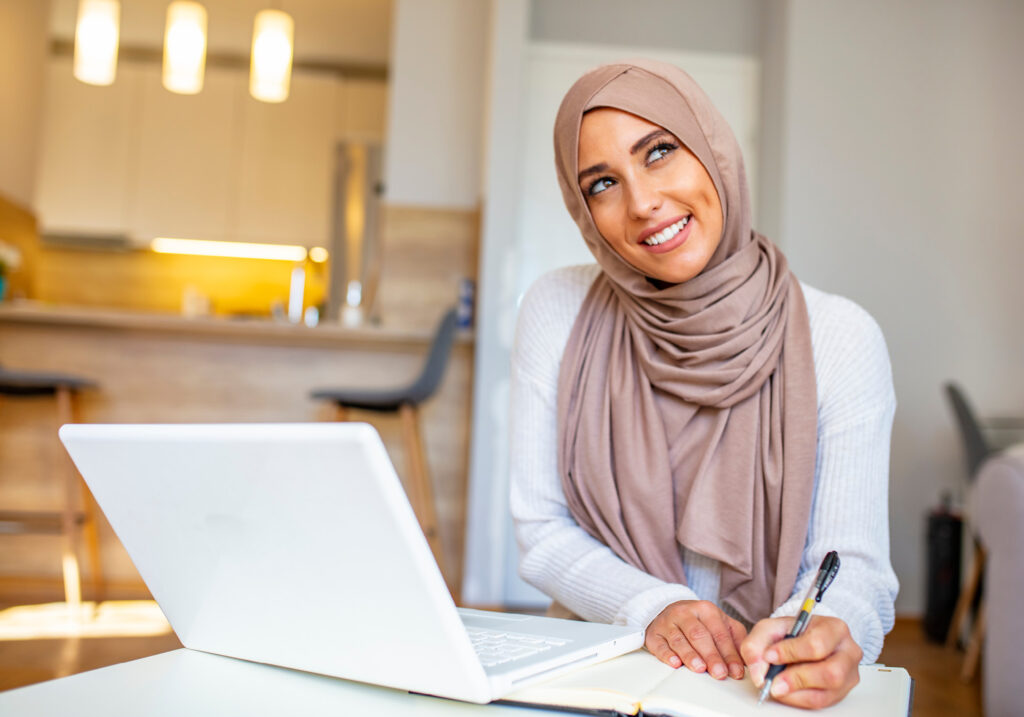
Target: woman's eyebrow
599, 167
642, 142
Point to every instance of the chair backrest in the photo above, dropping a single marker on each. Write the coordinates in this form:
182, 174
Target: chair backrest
976, 448
437, 360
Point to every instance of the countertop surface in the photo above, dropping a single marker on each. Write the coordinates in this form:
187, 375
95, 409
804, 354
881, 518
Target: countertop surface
255, 329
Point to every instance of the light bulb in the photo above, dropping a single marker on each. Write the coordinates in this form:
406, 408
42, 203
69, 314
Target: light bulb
96, 35
185, 47
271, 70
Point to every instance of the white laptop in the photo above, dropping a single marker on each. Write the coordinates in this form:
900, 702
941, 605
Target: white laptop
295, 545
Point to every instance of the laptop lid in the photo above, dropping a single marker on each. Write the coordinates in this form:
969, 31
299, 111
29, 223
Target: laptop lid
287, 544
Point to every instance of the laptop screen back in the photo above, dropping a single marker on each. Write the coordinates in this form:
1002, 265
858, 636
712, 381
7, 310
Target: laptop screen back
289, 544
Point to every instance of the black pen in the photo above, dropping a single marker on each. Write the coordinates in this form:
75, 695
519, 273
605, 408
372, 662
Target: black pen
826, 574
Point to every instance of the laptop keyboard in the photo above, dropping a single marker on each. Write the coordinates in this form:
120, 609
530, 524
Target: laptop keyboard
495, 647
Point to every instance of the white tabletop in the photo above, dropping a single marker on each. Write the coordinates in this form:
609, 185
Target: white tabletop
187, 682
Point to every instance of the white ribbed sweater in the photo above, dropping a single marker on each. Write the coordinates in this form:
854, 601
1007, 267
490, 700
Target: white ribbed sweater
849, 512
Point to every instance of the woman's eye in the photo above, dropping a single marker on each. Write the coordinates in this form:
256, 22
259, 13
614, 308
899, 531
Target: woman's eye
598, 186
659, 151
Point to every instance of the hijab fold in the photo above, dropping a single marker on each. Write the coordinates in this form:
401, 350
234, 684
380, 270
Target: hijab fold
687, 414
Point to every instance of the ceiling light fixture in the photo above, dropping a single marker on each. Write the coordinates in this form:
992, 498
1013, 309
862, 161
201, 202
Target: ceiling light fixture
272, 48
96, 35
185, 47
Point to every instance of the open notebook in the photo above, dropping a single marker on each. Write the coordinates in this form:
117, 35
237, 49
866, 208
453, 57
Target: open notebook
638, 683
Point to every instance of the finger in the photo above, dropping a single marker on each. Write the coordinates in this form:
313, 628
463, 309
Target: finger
682, 647
739, 633
763, 635
658, 646
738, 630
809, 699
820, 639
838, 675
721, 632
700, 637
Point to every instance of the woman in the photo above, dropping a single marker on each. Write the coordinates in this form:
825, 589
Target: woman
693, 429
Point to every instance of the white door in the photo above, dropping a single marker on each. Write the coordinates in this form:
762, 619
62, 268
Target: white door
548, 238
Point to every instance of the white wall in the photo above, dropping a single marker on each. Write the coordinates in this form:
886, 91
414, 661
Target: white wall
23, 48
729, 26
891, 168
436, 103
902, 177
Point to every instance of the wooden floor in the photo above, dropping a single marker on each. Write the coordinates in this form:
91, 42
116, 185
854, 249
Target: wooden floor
938, 692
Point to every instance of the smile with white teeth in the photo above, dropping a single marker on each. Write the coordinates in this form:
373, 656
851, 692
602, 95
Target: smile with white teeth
667, 233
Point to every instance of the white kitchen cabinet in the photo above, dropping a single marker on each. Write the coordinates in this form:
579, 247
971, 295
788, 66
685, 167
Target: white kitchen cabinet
187, 164
138, 161
85, 160
365, 115
286, 152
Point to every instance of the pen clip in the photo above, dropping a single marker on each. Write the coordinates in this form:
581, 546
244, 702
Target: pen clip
826, 574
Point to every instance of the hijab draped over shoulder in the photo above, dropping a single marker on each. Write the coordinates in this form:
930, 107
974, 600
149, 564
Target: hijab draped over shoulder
687, 413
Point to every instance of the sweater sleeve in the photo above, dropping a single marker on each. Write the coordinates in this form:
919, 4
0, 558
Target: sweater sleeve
849, 512
557, 556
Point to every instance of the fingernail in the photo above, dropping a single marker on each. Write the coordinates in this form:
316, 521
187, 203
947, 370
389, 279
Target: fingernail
675, 661
718, 671
736, 671
779, 688
757, 673
697, 664
772, 656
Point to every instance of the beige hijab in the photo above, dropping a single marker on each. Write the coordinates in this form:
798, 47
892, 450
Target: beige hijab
687, 414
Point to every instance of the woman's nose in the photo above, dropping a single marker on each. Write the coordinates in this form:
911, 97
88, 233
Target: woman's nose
644, 199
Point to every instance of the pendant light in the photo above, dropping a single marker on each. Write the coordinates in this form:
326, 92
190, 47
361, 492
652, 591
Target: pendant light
271, 70
185, 47
96, 36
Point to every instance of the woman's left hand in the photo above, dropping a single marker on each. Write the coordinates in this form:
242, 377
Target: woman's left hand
821, 663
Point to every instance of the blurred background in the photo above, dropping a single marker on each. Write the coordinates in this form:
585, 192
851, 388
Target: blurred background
409, 169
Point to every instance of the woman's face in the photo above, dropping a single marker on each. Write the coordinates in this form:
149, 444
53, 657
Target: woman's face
650, 197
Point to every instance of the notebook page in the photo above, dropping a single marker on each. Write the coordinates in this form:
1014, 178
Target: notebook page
618, 684
882, 692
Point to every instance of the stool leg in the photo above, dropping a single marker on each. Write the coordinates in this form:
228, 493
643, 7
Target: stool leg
970, 666
91, 524
422, 497
72, 579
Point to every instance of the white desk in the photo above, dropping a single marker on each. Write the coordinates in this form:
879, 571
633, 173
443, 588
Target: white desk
185, 682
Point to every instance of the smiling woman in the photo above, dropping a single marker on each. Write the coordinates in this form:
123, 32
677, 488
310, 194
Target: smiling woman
710, 427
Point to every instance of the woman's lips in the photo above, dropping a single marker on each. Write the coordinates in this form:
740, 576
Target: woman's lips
674, 241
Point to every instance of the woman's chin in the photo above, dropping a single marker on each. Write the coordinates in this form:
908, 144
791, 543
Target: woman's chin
667, 272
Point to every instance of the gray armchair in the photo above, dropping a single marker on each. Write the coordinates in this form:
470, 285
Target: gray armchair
997, 501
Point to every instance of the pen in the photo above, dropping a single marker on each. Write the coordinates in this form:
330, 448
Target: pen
826, 574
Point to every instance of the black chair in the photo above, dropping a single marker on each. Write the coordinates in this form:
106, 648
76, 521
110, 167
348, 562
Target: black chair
70, 522
405, 400
976, 447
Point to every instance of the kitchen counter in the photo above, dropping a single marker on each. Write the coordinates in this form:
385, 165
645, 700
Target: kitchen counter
163, 368
244, 329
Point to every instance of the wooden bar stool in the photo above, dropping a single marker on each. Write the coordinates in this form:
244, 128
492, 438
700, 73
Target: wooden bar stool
70, 522
405, 400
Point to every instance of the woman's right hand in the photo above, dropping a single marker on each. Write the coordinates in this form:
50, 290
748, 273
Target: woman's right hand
696, 633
